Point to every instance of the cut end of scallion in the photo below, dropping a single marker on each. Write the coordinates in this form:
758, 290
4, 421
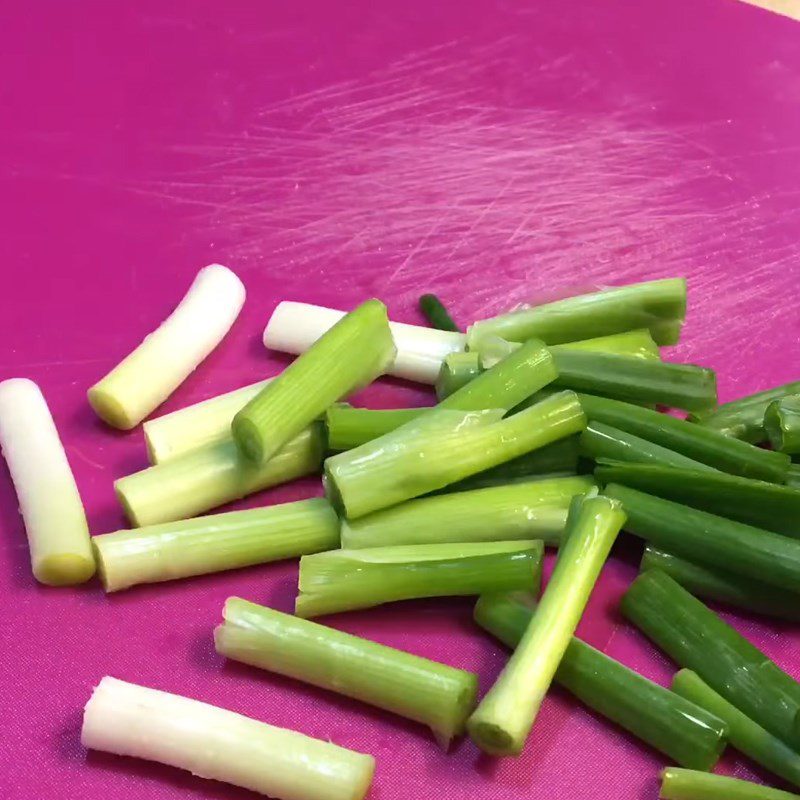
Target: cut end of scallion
247, 437
64, 569
109, 408
492, 738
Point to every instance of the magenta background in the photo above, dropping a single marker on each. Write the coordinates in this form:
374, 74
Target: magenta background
328, 152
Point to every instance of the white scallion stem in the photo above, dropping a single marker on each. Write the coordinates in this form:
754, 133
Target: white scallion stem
152, 372
51, 507
294, 327
215, 743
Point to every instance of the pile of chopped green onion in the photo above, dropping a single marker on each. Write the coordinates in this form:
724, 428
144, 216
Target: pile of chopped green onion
549, 428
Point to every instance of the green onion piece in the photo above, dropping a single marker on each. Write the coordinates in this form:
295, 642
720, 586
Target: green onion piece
51, 507
556, 460
744, 418
215, 543
166, 357
211, 476
354, 352
793, 476
425, 691
636, 380
710, 540
726, 587
529, 510
763, 505
684, 731
604, 443
343, 580
686, 784
782, 423
458, 369
197, 425
425, 454
636, 344
659, 306
437, 315
349, 427
502, 721
695, 441
211, 742
517, 376
745, 735
696, 638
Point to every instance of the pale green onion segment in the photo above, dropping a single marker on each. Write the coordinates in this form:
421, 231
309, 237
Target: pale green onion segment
201, 424
688, 784
152, 372
354, 352
294, 327
502, 721
535, 509
212, 475
215, 743
441, 447
215, 543
434, 694
343, 580
51, 507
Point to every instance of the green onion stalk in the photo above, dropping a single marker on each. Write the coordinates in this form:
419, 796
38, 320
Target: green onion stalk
659, 306
764, 505
435, 312
686, 784
501, 723
793, 476
440, 448
681, 729
604, 443
723, 586
211, 742
710, 540
425, 691
744, 418
526, 510
697, 639
343, 580
349, 427
214, 543
354, 352
746, 736
782, 423
212, 475
694, 441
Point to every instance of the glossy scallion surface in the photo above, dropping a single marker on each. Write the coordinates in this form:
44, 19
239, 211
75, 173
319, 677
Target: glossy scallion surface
686, 784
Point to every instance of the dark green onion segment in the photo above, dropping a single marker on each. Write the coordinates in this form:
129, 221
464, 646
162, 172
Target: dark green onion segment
435, 312
660, 718
782, 422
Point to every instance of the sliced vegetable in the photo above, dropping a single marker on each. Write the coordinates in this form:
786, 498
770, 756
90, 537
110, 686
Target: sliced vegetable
437, 315
349, 427
605, 443
793, 476
166, 357
745, 735
682, 730
425, 691
215, 543
695, 441
686, 784
696, 638
528, 510
354, 352
342, 580
502, 721
210, 476
659, 306
440, 448
211, 742
764, 505
710, 540
744, 418
198, 425
294, 327
55, 522
457, 370
782, 423
726, 587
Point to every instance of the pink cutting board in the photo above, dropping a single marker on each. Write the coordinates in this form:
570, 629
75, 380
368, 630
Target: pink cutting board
494, 152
